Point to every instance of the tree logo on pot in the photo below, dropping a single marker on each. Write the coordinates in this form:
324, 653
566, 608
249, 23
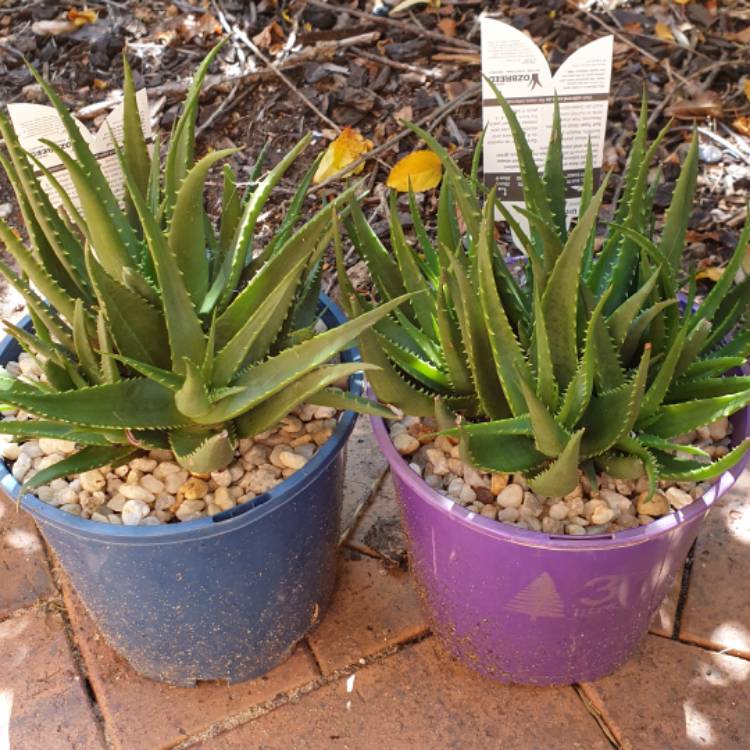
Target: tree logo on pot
538, 599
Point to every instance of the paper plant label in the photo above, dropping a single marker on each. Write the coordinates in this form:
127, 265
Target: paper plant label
34, 122
512, 61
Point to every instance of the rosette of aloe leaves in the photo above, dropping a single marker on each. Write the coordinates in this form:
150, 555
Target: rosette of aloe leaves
590, 356
154, 326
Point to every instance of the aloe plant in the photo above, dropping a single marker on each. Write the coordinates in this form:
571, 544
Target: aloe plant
578, 359
153, 327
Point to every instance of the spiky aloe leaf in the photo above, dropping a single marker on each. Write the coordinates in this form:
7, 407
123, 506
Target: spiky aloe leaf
561, 476
84, 350
694, 345
273, 409
182, 142
621, 466
710, 304
57, 248
671, 468
267, 378
137, 328
507, 354
678, 214
461, 187
554, 176
37, 428
412, 278
686, 390
242, 248
664, 377
91, 457
420, 369
549, 437
301, 245
192, 399
187, 238
541, 356
232, 356
578, 394
620, 321
533, 187
652, 441
202, 451
478, 347
185, 333
503, 452
677, 419
611, 415
450, 340
560, 298
134, 144
129, 404
47, 286
344, 400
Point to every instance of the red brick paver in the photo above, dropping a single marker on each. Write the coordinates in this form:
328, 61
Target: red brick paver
374, 608
24, 575
145, 715
40, 689
717, 609
418, 700
674, 696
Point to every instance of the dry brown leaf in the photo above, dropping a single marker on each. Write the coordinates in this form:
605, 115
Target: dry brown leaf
706, 104
712, 273
271, 38
347, 147
746, 88
81, 17
663, 31
405, 113
447, 26
743, 37
420, 169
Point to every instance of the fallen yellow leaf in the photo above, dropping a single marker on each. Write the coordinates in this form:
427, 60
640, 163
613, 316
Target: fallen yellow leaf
742, 125
712, 273
663, 32
347, 147
746, 88
682, 2
82, 17
421, 169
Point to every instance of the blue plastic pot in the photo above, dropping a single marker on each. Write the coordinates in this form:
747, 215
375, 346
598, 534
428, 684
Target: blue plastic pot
221, 598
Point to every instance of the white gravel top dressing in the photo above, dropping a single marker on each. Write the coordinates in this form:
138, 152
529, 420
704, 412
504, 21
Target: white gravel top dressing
615, 505
153, 489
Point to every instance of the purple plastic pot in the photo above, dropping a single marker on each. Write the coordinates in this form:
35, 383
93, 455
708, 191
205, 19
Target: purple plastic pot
523, 606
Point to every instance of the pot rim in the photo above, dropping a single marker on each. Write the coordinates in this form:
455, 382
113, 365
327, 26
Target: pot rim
528, 538
241, 515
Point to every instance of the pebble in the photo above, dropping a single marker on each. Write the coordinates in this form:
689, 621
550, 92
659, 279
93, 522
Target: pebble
152, 484
678, 498
558, 511
49, 446
511, 496
92, 481
498, 483
654, 507
133, 512
136, 492
193, 489
602, 516
405, 444
190, 509
73, 508
292, 460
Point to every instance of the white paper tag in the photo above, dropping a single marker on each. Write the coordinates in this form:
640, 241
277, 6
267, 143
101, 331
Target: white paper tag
512, 61
34, 121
